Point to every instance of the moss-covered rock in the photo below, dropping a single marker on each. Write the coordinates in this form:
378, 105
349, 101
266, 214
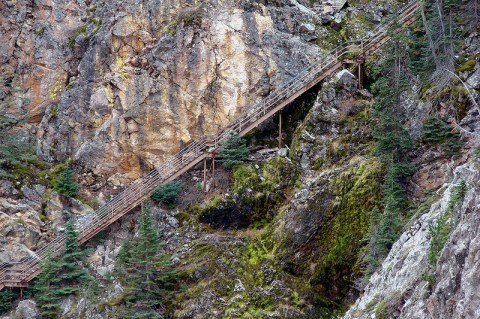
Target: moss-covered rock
320, 232
257, 193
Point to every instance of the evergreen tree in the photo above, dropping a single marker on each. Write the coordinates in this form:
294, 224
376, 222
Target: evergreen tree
45, 289
144, 272
437, 131
234, 150
66, 184
62, 276
70, 267
167, 193
392, 143
6, 297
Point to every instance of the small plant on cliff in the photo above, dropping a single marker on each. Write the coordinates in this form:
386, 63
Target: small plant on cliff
16, 152
233, 151
167, 193
440, 231
65, 183
437, 131
144, 272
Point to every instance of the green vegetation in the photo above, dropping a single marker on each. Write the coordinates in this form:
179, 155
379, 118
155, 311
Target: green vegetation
353, 194
434, 39
45, 285
233, 151
476, 155
40, 31
54, 112
167, 193
387, 306
392, 143
258, 194
92, 8
6, 298
81, 30
437, 131
94, 22
440, 231
17, 153
60, 277
65, 184
144, 272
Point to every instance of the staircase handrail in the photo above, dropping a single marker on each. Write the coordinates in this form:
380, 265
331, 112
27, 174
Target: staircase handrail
137, 190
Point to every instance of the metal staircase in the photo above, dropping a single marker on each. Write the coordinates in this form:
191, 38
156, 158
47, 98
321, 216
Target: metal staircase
18, 274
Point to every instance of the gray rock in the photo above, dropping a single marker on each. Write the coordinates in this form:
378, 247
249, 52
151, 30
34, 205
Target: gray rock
27, 309
457, 275
283, 152
474, 79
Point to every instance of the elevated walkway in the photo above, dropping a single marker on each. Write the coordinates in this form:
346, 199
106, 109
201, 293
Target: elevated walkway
20, 273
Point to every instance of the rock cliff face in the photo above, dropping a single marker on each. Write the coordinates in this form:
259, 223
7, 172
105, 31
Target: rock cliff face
119, 85
399, 289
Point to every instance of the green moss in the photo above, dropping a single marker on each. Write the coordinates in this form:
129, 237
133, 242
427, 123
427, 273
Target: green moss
208, 205
468, 65
92, 8
244, 176
386, 307
54, 112
114, 301
40, 31
19, 221
355, 193
258, 194
71, 41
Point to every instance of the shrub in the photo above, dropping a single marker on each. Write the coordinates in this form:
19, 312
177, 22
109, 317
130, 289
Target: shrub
233, 151
167, 193
65, 183
439, 132
6, 297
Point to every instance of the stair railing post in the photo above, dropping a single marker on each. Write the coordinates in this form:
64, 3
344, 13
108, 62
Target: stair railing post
280, 129
204, 174
360, 75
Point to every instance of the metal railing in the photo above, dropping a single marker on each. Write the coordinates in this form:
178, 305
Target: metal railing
19, 273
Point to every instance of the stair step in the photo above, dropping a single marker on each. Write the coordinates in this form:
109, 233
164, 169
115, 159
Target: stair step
198, 150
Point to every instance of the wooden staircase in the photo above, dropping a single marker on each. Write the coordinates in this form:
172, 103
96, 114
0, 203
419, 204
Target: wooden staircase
18, 274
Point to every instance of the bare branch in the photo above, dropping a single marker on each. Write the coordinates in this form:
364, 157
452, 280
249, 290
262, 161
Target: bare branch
470, 95
472, 98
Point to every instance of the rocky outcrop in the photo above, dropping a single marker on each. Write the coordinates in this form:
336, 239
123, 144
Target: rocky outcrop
118, 86
30, 217
399, 288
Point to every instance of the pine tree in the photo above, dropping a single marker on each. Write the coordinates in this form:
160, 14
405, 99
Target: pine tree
392, 143
45, 289
66, 184
60, 277
167, 193
6, 297
71, 270
233, 151
144, 272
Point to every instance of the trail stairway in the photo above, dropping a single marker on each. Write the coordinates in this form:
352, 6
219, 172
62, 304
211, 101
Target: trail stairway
18, 274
